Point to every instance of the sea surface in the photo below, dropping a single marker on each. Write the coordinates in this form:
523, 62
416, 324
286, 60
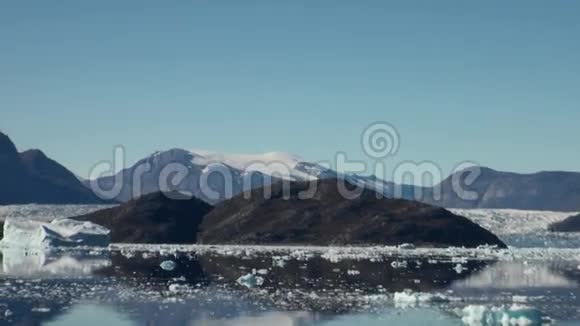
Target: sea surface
534, 282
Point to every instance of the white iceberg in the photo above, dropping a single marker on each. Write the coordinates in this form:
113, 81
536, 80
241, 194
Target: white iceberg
515, 315
21, 233
251, 281
410, 299
168, 265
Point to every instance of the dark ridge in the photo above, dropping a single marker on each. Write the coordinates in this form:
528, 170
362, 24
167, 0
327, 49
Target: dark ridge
154, 218
31, 177
328, 218
7, 147
570, 224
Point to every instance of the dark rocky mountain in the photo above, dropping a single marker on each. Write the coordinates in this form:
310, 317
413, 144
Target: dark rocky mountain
328, 218
571, 224
31, 177
153, 218
556, 191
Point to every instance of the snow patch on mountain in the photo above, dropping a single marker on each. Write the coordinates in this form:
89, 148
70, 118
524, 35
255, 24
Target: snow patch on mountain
214, 176
278, 164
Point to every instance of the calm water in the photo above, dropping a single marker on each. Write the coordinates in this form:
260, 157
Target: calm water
288, 286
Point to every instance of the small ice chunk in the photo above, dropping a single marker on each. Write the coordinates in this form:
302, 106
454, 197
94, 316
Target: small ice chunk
41, 309
20, 233
251, 281
353, 272
168, 265
519, 299
279, 261
406, 246
399, 264
176, 287
459, 268
409, 299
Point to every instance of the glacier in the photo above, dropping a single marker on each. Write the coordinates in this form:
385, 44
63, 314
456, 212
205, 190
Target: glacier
21, 233
523, 228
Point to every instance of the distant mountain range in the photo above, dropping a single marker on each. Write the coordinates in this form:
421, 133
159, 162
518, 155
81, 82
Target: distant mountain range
553, 191
205, 173
31, 177
557, 191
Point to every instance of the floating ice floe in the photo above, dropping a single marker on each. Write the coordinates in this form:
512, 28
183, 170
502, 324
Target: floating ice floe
251, 281
406, 246
459, 268
22, 233
399, 264
262, 271
409, 299
177, 288
168, 265
516, 315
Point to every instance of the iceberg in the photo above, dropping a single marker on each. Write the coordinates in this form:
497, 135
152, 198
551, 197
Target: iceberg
251, 281
168, 265
514, 316
21, 233
409, 299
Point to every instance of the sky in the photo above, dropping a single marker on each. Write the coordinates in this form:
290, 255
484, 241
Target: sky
493, 82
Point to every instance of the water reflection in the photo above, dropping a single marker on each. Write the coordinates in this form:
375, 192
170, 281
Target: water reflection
131, 288
89, 315
38, 263
517, 275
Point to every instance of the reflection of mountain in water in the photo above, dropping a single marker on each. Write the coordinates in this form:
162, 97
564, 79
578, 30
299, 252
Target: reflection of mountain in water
516, 275
147, 266
356, 275
274, 318
143, 292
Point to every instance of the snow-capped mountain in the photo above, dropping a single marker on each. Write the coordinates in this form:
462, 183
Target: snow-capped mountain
214, 176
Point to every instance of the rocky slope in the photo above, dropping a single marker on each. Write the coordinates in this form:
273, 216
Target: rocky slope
328, 218
31, 177
571, 224
153, 218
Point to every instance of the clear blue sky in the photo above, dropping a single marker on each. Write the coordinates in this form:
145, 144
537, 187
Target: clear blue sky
496, 82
